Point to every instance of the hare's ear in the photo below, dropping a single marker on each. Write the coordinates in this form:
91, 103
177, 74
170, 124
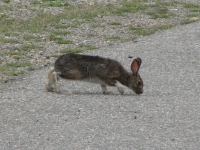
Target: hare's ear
135, 66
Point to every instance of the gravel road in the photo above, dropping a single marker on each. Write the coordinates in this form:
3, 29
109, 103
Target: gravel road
165, 116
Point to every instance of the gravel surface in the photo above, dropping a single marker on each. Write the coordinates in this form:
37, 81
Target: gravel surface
165, 116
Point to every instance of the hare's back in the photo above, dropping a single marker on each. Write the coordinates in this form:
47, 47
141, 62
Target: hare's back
84, 66
79, 60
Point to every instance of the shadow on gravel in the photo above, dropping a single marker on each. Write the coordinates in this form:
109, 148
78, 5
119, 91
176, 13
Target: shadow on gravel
95, 93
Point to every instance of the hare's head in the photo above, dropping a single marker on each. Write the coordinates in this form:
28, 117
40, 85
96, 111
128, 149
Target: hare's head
135, 81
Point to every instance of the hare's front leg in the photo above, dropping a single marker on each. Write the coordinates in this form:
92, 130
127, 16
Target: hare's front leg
120, 89
113, 82
104, 89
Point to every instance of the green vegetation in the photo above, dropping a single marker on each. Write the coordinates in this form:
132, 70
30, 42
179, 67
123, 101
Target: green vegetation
59, 32
190, 5
18, 64
114, 23
28, 47
192, 15
14, 68
35, 2
79, 49
41, 21
6, 1
112, 38
60, 40
55, 3
89, 47
148, 30
11, 72
69, 50
15, 53
129, 7
161, 12
28, 37
187, 21
55, 55
8, 40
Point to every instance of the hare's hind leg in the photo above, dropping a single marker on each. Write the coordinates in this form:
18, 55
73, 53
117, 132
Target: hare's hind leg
104, 89
55, 82
49, 81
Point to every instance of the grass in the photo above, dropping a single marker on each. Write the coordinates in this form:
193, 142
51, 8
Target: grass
69, 50
15, 53
8, 40
13, 68
28, 47
87, 47
29, 37
90, 47
187, 21
12, 72
130, 7
190, 5
79, 49
6, 1
112, 38
114, 23
18, 64
141, 30
55, 3
192, 15
35, 2
60, 32
4, 8
9, 34
161, 12
60, 40
55, 55
148, 30
41, 21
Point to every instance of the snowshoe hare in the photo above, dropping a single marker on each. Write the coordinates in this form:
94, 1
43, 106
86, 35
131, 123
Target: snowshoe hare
103, 71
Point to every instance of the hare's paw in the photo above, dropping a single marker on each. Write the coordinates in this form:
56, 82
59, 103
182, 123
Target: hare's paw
120, 90
58, 89
104, 90
49, 87
108, 92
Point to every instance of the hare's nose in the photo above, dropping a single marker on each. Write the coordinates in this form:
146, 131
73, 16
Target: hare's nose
139, 91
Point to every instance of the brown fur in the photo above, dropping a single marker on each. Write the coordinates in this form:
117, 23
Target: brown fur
103, 71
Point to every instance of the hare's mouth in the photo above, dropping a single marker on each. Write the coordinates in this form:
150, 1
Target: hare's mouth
138, 91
